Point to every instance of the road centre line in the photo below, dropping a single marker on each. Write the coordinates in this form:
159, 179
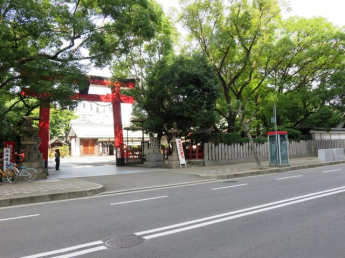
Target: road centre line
21, 217
236, 214
67, 249
283, 178
228, 187
331, 171
140, 200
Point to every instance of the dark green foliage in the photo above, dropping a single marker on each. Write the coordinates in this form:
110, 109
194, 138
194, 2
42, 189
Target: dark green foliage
231, 138
180, 89
44, 46
227, 138
325, 118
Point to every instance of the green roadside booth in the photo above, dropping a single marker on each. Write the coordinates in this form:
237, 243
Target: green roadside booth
278, 145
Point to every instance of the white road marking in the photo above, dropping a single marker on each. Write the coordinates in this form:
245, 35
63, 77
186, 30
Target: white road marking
208, 181
283, 178
114, 193
21, 217
331, 171
91, 250
141, 200
65, 249
237, 214
228, 187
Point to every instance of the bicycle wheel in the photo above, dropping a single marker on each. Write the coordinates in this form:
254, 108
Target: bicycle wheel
29, 174
12, 175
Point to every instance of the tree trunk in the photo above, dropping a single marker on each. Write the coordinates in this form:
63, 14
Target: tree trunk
231, 122
257, 160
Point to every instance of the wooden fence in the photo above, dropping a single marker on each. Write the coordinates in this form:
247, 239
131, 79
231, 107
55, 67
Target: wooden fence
236, 153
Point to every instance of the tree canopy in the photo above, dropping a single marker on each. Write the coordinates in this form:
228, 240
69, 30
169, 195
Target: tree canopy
253, 58
48, 46
260, 58
180, 89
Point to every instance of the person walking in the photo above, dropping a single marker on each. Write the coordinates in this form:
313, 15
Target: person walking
57, 159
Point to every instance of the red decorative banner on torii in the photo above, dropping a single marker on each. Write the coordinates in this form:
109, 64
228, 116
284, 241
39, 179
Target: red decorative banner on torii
115, 98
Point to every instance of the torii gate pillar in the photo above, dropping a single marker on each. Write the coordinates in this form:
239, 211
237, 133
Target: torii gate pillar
118, 132
44, 131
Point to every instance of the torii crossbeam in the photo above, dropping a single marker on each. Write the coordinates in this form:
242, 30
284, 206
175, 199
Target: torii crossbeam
115, 98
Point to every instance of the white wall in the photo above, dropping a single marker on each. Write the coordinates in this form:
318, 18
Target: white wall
75, 147
332, 135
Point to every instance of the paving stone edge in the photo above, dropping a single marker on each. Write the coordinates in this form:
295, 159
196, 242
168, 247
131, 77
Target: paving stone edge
268, 171
51, 197
100, 190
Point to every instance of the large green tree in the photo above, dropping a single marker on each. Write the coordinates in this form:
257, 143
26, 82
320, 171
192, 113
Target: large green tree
307, 85
49, 45
145, 54
237, 38
179, 89
255, 54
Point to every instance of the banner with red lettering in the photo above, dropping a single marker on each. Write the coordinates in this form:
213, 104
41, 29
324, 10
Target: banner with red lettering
10, 145
180, 152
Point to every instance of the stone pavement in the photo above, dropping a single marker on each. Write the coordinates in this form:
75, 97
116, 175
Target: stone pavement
64, 188
24, 192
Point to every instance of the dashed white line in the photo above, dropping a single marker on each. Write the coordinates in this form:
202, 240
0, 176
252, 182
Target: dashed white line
228, 187
21, 217
331, 171
283, 178
140, 200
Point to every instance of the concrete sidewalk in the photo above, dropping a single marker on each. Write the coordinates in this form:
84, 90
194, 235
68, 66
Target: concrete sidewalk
58, 189
24, 192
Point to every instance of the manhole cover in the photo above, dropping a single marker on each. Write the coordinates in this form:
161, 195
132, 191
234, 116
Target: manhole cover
124, 241
229, 181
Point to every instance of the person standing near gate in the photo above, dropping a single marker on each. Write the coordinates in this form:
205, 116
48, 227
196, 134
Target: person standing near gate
57, 159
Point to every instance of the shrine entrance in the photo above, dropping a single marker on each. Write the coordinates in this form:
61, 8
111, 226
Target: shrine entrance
88, 146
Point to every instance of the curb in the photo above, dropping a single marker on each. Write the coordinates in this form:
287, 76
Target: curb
99, 191
268, 171
51, 197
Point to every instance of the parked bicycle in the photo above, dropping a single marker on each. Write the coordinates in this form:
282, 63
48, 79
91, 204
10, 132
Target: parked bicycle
11, 174
29, 174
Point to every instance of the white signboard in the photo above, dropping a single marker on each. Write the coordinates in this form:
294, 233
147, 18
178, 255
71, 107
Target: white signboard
7, 158
180, 152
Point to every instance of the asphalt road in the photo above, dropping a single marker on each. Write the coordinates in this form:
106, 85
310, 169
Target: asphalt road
293, 214
91, 167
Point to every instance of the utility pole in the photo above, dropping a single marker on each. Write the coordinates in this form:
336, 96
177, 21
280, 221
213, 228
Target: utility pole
276, 134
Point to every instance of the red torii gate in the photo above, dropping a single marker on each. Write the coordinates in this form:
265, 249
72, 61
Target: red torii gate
116, 98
